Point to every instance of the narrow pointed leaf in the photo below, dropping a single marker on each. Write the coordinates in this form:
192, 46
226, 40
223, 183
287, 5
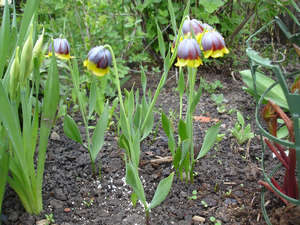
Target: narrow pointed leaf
4, 165
161, 43
181, 82
162, 191
168, 128
209, 140
172, 15
4, 38
92, 98
71, 129
132, 179
99, 132
182, 130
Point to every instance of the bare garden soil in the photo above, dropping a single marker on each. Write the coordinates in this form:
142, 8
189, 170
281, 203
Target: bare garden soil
226, 180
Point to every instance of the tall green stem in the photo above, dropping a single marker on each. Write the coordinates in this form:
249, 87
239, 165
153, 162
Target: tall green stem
189, 117
75, 79
168, 64
117, 79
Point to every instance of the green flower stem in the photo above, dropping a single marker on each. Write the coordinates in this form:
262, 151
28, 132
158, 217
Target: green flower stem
164, 76
180, 98
119, 91
75, 80
189, 117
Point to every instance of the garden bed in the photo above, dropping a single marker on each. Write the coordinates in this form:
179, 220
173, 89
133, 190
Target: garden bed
225, 186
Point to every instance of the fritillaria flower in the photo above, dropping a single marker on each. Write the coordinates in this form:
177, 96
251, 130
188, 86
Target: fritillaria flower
189, 25
98, 61
61, 48
213, 44
188, 53
195, 26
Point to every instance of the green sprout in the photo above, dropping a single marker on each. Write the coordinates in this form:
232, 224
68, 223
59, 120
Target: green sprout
215, 221
49, 218
240, 131
204, 203
194, 195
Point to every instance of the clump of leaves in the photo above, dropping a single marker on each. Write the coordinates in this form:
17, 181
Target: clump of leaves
241, 131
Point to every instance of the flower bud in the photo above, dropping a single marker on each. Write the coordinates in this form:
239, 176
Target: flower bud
14, 74
99, 60
26, 56
37, 49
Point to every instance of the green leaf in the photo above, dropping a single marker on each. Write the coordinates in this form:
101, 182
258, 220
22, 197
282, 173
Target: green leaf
143, 80
132, 179
4, 38
240, 118
184, 151
262, 83
282, 132
172, 15
137, 117
49, 108
209, 140
181, 82
4, 164
182, 130
176, 158
29, 11
211, 5
10, 119
123, 143
196, 99
71, 129
161, 43
148, 125
93, 98
134, 199
162, 191
99, 132
168, 128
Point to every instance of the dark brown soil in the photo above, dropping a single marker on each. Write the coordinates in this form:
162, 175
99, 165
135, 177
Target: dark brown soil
226, 180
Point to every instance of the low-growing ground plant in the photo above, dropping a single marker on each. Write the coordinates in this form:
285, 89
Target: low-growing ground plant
241, 131
219, 101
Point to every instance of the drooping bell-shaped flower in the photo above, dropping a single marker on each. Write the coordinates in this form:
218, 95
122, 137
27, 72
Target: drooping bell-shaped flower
213, 44
61, 48
188, 53
195, 27
98, 61
189, 25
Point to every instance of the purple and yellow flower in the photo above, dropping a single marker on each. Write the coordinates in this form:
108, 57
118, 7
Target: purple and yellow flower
196, 27
213, 44
98, 61
61, 48
189, 25
188, 53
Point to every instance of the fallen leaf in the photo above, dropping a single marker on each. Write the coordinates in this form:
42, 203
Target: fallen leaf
205, 119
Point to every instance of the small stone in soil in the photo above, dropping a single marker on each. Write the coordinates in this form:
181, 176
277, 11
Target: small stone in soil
134, 219
57, 204
42, 222
58, 194
13, 216
199, 219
